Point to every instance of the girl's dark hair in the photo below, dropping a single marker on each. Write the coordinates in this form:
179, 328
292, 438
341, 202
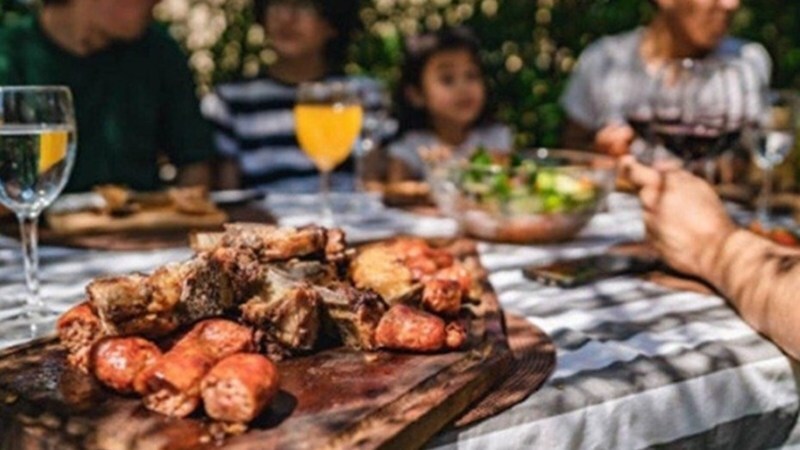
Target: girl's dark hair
418, 51
342, 15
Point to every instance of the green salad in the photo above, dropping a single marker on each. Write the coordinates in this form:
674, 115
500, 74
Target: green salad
516, 185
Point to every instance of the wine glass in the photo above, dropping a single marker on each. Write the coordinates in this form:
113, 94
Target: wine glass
770, 138
699, 108
637, 109
378, 126
328, 118
37, 152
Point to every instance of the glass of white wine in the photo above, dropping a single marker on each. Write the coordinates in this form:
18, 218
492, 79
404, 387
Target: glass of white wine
328, 118
37, 152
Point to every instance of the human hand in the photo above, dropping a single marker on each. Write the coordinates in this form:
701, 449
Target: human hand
614, 139
684, 218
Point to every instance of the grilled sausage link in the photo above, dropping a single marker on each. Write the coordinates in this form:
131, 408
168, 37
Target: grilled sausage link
78, 329
117, 361
407, 328
239, 387
171, 386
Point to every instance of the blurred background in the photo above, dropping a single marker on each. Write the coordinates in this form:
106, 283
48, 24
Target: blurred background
530, 46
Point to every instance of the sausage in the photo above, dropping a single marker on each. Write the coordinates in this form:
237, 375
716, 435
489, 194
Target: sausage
219, 337
442, 296
171, 386
79, 328
117, 361
239, 387
407, 328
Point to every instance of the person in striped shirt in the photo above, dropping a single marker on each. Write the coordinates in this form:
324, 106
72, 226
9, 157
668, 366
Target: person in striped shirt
253, 118
689, 226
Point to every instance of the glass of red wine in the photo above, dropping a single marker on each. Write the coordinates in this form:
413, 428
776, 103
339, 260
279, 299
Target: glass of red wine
699, 109
638, 111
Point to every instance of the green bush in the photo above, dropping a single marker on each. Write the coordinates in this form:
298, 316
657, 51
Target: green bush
530, 46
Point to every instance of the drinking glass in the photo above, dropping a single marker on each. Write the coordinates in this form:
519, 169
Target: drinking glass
699, 108
638, 112
378, 126
328, 118
37, 152
770, 138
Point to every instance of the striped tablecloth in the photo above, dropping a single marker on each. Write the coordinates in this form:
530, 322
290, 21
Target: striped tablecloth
638, 365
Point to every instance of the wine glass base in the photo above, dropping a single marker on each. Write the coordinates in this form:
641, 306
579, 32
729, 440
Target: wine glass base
18, 325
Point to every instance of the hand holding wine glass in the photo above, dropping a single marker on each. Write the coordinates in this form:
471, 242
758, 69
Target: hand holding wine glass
37, 152
328, 118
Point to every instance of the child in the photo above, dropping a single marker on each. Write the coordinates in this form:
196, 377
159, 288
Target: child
254, 118
442, 102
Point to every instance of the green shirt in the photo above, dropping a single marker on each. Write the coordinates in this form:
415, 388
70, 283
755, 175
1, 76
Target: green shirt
133, 101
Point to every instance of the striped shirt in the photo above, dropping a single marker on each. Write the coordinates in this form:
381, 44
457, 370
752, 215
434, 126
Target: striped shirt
254, 125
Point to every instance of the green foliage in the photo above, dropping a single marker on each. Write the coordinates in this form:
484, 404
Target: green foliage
530, 46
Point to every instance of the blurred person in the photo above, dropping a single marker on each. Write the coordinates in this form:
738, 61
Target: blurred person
611, 72
443, 102
254, 118
132, 89
688, 225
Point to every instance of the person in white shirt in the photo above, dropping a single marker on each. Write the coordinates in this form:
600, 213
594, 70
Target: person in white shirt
442, 102
610, 72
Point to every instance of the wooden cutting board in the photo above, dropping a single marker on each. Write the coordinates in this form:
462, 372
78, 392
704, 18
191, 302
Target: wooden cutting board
334, 399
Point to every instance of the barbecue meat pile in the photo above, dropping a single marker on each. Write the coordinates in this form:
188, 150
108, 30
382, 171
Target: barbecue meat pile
206, 330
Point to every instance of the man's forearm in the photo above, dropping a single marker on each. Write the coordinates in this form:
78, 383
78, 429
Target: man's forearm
762, 281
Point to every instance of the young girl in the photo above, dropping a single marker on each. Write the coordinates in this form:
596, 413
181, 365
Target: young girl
442, 102
254, 118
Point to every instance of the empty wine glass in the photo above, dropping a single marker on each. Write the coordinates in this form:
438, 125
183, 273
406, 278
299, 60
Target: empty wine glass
699, 108
770, 138
37, 151
377, 127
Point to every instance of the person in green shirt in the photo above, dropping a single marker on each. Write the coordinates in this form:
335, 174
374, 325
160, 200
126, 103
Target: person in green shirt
133, 91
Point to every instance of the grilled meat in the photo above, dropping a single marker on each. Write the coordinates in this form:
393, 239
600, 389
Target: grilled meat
441, 296
174, 295
116, 362
239, 387
407, 328
78, 329
287, 310
455, 335
378, 268
171, 386
354, 313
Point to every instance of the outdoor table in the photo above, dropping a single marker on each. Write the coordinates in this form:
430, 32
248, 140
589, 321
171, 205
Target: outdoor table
638, 364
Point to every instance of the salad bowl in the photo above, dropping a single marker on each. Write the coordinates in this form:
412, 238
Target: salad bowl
531, 196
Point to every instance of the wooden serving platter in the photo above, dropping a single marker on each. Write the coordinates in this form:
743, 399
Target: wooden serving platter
334, 399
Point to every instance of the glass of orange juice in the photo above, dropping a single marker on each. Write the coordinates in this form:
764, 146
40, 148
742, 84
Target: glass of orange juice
328, 118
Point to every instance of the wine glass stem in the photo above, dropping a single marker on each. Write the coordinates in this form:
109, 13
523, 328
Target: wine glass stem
325, 192
28, 225
764, 201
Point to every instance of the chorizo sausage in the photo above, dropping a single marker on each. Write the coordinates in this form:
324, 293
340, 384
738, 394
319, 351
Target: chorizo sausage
407, 328
239, 387
117, 361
